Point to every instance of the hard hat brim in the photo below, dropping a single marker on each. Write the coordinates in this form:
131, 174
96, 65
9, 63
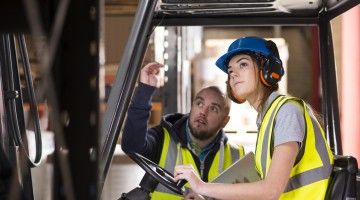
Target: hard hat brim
224, 60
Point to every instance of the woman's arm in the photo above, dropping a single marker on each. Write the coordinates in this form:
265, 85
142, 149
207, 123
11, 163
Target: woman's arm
271, 187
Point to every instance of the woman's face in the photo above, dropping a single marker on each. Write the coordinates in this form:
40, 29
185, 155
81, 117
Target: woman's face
243, 76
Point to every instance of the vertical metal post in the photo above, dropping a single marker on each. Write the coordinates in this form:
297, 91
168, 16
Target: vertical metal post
76, 75
315, 69
123, 87
171, 88
328, 79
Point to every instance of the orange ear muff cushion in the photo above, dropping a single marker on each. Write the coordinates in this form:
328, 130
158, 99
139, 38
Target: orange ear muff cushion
263, 79
275, 75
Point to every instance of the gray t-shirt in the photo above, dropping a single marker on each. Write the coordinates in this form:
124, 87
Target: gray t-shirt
289, 121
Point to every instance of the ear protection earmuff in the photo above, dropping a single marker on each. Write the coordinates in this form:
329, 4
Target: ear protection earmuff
271, 71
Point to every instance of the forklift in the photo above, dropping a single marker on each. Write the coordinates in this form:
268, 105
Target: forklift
241, 13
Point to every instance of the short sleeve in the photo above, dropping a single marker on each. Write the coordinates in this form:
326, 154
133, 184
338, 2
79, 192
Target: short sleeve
289, 124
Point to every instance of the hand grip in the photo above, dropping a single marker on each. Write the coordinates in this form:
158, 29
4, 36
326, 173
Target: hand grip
181, 183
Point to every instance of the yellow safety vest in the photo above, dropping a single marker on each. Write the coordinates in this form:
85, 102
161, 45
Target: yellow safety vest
310, 175
172, 154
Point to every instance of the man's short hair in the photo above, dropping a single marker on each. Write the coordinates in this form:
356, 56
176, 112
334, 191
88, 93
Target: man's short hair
216, 89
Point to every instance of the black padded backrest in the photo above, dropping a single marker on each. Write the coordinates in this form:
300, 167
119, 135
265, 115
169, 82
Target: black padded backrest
342, 184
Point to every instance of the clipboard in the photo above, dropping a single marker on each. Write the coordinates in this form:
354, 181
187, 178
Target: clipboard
242, 171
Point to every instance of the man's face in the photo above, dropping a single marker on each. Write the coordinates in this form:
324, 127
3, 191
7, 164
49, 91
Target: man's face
207, 115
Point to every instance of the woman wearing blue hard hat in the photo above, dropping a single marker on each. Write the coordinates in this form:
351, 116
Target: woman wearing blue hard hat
292, 156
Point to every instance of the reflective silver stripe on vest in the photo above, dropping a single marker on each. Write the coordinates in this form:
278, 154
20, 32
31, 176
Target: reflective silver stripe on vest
266, 137
316, 174
221, 157
235, 153
170, 163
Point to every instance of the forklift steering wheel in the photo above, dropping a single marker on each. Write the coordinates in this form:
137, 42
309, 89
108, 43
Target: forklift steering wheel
159, 174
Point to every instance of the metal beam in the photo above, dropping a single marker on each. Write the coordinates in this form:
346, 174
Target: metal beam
168, 20
170, 90
124, 84
328, 79
76, 75
336, 8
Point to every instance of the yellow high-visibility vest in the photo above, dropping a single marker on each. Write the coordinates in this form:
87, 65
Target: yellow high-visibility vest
310, 175
173, 154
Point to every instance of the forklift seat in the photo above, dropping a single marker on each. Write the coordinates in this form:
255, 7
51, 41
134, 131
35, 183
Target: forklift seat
342, 183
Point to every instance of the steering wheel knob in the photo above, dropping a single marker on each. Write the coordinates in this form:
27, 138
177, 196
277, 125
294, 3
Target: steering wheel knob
181, 183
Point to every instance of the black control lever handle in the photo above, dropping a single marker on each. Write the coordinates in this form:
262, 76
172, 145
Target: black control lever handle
181, 183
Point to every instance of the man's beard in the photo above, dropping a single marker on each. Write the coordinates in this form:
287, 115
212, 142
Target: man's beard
198, 134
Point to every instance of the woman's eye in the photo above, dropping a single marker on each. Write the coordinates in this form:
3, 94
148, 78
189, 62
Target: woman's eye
243, 65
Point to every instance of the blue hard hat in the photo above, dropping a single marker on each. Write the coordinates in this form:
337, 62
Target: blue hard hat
243, 45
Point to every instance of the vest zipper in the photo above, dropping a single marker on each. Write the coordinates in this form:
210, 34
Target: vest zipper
201, 169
